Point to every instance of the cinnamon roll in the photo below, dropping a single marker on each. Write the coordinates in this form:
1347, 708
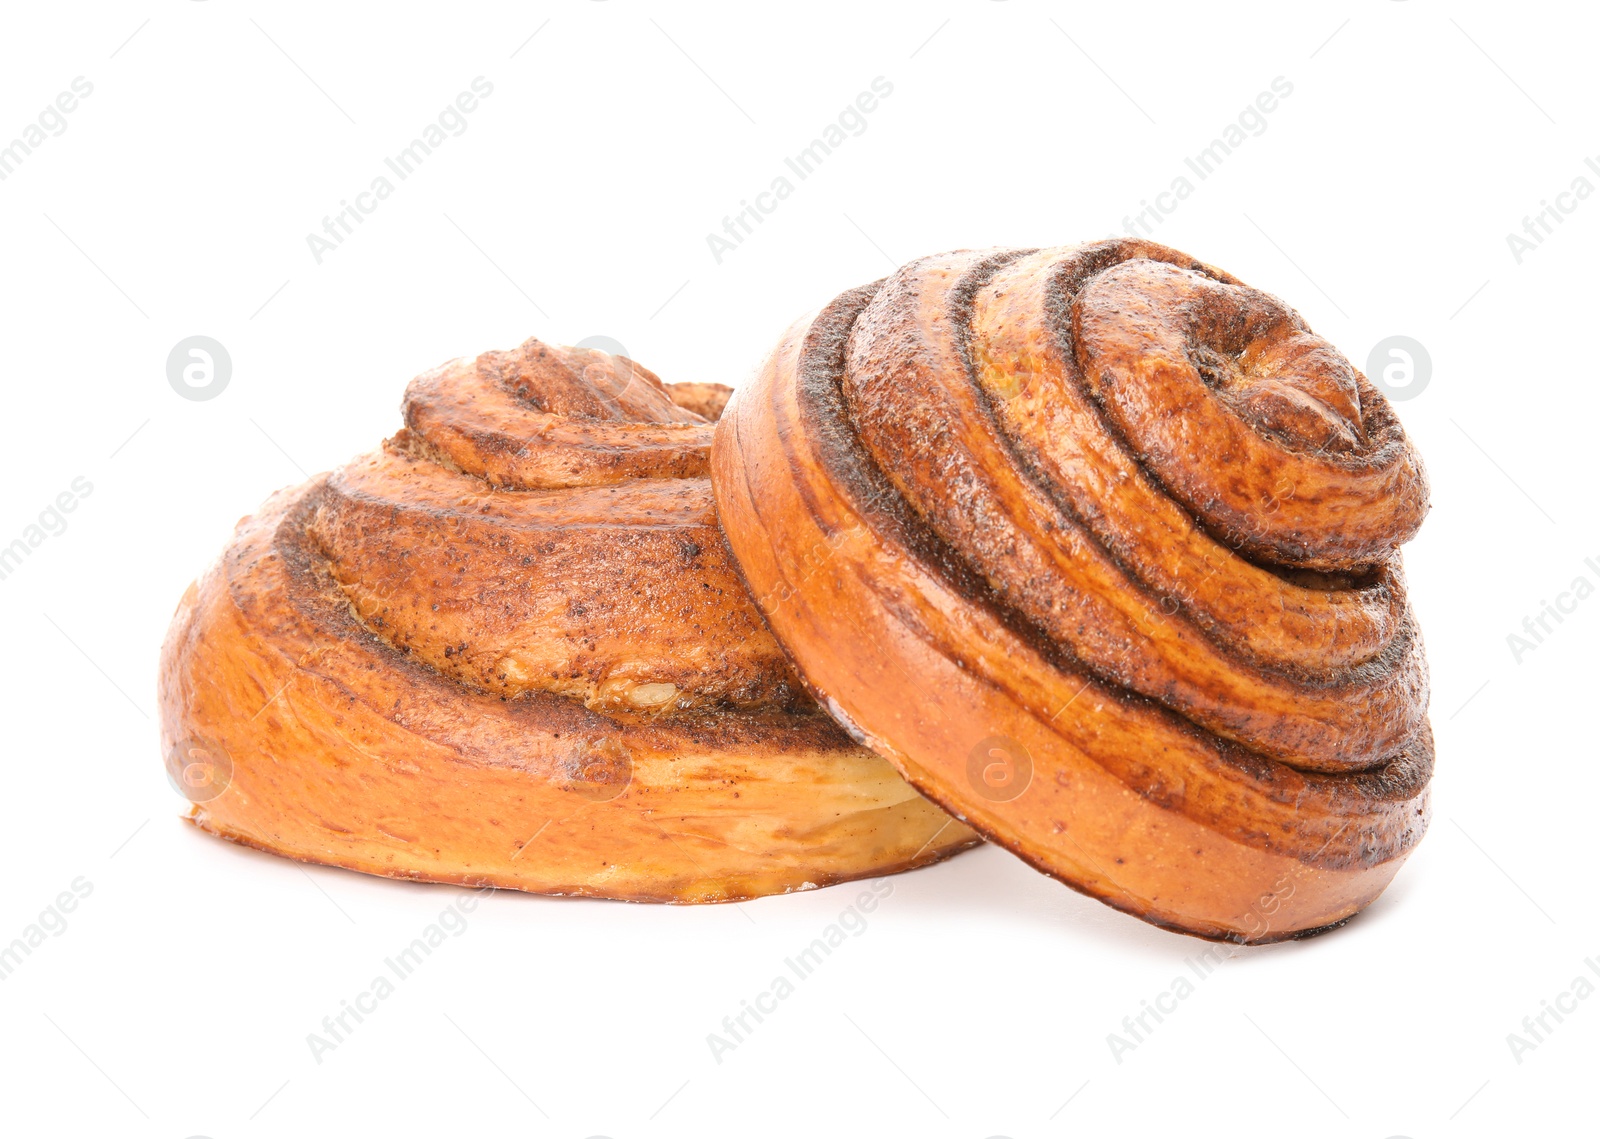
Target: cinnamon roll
508, 648
1100, 547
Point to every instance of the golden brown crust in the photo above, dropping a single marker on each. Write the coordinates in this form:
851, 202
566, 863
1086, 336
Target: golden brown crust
620, 595
456, 662
1105, 513
705, 400
541, 416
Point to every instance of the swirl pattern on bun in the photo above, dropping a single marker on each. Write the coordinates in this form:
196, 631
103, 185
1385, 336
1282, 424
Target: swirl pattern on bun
509, 648
1100, 547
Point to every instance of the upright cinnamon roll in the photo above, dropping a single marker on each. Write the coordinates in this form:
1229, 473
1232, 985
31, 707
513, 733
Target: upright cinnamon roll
1101, 548
508, 648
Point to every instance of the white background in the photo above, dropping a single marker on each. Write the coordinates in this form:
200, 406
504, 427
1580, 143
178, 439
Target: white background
577, 203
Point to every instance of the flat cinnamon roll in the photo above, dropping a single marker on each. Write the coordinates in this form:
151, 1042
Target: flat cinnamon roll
508, 648
1100, 547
